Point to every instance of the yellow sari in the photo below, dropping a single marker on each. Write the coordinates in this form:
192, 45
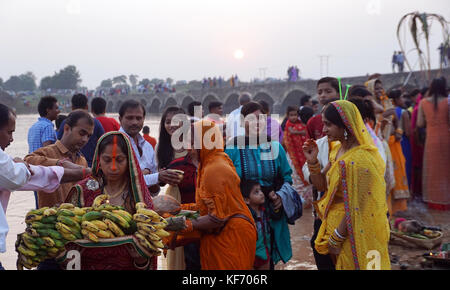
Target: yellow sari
358, 177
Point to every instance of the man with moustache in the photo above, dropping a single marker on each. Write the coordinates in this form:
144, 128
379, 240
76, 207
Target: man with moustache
131, 117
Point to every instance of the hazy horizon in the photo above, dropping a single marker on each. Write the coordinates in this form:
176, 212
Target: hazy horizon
192, 39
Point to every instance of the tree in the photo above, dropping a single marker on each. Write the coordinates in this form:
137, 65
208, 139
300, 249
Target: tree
169, 81
145, 82
23, 82
1, 82
133, 80
67, 78
106, 83
120, 80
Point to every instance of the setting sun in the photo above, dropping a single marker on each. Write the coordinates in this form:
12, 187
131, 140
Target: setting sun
238, 54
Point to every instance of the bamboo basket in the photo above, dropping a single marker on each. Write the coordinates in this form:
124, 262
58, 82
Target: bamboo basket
427, 244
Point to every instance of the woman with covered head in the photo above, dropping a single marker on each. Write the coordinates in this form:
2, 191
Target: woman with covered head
116, 172
355, 229
227, 230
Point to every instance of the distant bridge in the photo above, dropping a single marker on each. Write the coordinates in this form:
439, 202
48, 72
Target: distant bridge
278, 95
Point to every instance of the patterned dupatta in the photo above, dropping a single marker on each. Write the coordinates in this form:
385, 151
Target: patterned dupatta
359, 173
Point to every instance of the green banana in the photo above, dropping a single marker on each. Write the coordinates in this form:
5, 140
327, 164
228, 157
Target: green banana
66, 206
48, 242
65, 212
27, 252
48, 219
67, 221
92, 215
50, 212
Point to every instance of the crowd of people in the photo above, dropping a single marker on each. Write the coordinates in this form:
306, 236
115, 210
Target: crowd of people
357, 161
293, 73
398, 61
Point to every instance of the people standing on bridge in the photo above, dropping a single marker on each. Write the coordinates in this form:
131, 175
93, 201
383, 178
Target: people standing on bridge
234, 127
434, 116
394, 61
98, 108
80, 102
400, 61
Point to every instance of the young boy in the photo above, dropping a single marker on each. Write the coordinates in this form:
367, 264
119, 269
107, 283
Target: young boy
254, 198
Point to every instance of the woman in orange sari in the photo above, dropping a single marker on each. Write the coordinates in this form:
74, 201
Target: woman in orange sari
227, 230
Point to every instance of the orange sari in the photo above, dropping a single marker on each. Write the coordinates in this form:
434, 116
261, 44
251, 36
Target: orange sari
218, 194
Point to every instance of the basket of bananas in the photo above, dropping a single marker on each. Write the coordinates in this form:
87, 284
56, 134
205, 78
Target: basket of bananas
49, 230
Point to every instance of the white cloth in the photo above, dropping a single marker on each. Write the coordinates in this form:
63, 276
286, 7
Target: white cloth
147, 160
233, 123
322, 144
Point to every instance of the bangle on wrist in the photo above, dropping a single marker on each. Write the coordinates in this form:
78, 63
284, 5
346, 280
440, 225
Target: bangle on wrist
339, 235
145, 267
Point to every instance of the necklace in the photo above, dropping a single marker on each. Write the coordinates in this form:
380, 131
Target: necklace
117, 193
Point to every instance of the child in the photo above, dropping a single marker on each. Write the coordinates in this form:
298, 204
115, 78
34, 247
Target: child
254, 198
295, 135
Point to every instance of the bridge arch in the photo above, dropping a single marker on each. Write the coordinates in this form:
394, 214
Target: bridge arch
169, 103
208, 99
118, 105
292, 99
231, 103
110, 107
144, 102
185, 103
263, 96
155, 106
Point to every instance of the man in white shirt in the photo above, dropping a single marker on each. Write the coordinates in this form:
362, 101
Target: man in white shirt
233, 121
16, 174
131, 117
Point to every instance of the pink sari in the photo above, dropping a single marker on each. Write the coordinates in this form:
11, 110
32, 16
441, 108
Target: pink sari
417, 150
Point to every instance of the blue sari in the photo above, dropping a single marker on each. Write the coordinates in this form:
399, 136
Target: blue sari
406, 149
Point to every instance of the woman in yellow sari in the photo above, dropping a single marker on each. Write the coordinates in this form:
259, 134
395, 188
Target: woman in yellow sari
355, 228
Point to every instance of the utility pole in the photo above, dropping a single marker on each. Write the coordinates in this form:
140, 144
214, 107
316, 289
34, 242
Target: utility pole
262, 72
324, 60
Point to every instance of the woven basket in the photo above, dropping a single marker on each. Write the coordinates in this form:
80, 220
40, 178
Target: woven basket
421, 243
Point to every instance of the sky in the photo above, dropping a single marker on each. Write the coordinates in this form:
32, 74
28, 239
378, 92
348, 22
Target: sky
193, 39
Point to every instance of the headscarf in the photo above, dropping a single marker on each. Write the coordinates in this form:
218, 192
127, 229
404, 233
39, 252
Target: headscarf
359, 173
137, 185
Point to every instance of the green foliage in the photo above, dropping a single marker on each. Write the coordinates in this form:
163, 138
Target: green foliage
67, 78
106, 83
23, 82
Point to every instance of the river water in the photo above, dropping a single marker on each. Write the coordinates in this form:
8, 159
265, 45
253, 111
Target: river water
22, 201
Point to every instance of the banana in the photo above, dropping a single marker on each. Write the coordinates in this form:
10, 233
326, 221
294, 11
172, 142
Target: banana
39, 225
138, 217
30, 245
59, 244
53, 250
111, 234
140, 205
32, 232
115, 218
87, 209
48, 242
69, 237
146, 244
66, 206
114, 228
150, 236
62, 228
162, 233
65, 212
77, 218
90, 236
158, 225
122, 222
27, 252
50, 212
89, 226
38, 211
79, 211
25, 259
157, 244
92, 215
126, 215
106, 206
148, 212
67, 221
54, 234
32, 218
39, 241
103, 234
101, 225
48, 219
99, 200
146, 227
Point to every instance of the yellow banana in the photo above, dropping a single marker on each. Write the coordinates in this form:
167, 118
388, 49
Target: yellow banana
101, 225
29, 244
162, 233
79, 211
50, 211
148, 212
145, 227
126, 215
89, 226
111, 234
32, 232
63, 229
48, 242
140, 205
90, 235
66, 206
32, 218
69, 237
158, 225
99, 200
146, 244
114, 228
138, 217
53, 250
157, 244
27, 252
122, 222
150, 236
103, 234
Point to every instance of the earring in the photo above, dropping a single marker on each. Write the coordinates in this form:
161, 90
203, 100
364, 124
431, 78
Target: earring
345, 135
